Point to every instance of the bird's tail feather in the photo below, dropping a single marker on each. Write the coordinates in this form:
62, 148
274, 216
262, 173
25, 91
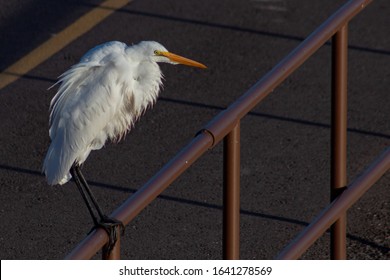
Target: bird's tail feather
58, 162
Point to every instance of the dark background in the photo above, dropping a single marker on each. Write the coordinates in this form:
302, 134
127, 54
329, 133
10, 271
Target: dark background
285, 140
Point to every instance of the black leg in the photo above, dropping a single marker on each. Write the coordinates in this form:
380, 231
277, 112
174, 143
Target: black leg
105, 222
83, 194
88, 191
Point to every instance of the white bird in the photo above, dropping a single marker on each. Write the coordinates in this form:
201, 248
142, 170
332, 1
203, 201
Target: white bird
99, 99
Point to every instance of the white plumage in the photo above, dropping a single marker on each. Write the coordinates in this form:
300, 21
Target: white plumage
100, 98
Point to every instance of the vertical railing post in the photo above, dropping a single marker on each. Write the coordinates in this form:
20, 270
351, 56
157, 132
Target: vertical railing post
115, 253
339, 136
231, 195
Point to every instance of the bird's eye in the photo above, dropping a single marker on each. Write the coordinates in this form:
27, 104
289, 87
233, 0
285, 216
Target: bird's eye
156, 52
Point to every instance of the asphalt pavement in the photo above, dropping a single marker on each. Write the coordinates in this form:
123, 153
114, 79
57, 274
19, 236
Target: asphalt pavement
285, 153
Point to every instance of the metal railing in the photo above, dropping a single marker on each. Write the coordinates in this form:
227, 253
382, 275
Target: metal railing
337, 209
226, 126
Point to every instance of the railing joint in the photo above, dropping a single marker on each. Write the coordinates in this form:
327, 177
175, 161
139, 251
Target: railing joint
207, 132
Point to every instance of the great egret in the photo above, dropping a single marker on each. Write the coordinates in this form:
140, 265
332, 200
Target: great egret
99, 99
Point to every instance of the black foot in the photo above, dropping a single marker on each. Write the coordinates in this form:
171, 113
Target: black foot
110, 226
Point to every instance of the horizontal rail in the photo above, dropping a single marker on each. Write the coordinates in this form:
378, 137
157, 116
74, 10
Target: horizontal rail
220, 126
224, 122
337, 208
141, 198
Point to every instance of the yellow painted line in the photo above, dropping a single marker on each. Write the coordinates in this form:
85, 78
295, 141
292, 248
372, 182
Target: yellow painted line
59, 41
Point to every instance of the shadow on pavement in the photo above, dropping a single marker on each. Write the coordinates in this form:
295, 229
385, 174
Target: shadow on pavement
361, 240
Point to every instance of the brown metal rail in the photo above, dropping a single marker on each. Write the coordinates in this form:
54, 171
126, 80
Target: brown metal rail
339, 136
231, 195
226, 126
337, 208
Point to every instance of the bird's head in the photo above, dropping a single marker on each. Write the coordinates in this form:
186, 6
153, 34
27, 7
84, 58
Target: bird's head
159, 53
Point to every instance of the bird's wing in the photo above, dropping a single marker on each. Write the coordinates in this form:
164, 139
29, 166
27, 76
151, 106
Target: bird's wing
83, 73
101, 52
90, 95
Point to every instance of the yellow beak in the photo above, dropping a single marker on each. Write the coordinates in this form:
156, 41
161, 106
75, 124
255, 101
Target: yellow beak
182, 60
